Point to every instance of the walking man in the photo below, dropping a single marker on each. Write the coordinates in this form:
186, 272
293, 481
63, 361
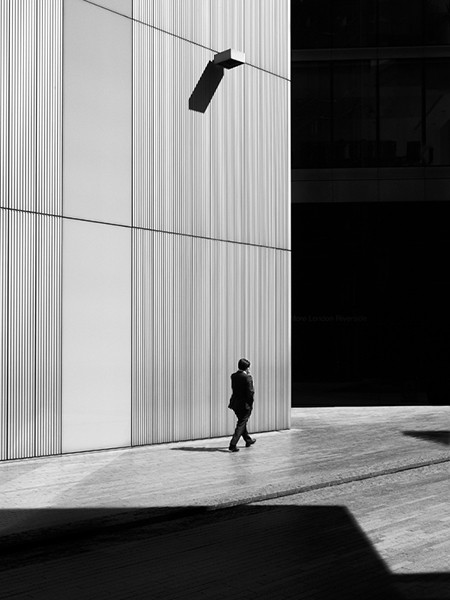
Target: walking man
242, 403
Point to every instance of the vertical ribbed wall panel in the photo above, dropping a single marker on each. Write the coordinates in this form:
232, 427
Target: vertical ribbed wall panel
283, 339
199, 306
182, 306
250, 317
267, 35
4, 217
153, 337
49, 106
267, 162
22, 335
227, 25
189, 19
22, 105
260, 331
48, 336
142, 337
162, 264
199, 351
4, 226
144, 158
228, 146
31, 62
171, 170
227, 328
171, 337
181, 192
143, 11
31, 53
4, 103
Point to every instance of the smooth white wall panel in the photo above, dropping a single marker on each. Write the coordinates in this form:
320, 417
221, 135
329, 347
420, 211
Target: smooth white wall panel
96, 398
48, 335
124, 7
171, 157
97, 113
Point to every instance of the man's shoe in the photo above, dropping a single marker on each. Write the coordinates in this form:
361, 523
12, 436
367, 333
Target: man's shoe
233, 449
250, 443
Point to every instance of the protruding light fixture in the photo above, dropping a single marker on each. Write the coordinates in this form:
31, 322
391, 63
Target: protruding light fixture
229, 58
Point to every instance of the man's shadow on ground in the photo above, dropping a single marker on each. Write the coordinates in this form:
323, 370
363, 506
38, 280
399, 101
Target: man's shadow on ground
202, 449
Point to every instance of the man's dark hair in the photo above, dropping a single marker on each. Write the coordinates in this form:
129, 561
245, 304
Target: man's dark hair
243, 364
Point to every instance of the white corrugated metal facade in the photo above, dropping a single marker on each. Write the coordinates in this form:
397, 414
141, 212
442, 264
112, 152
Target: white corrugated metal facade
145, 245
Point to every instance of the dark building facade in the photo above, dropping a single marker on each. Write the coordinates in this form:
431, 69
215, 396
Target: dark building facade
370, 185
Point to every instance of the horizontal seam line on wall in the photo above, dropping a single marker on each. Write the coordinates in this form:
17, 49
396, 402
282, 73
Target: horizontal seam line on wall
139, 228
132, 19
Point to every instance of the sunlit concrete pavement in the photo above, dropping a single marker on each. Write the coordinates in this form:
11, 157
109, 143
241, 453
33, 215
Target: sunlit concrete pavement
325, 447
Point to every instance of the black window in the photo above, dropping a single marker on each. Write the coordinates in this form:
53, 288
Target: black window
400, 22
311, 115
437, 150
354, 23
354, 114
400, 113
437, 22
311, 23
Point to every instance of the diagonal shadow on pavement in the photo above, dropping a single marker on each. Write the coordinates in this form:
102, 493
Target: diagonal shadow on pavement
251, 551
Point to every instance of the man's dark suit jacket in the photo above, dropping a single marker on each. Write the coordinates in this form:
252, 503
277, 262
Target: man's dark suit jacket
243, 391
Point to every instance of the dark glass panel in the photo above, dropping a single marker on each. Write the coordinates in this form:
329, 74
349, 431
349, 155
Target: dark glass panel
311, 115
354, 23
438, 112
311, 24
400, 113
400, 23
437, 22
354, 114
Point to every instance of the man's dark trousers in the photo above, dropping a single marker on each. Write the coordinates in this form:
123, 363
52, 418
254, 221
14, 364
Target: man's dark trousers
243, 416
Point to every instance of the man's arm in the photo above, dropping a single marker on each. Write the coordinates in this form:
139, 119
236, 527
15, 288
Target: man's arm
250, 390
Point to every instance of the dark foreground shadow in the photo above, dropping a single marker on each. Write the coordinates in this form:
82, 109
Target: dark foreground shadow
206, 87
261, 552
440, 437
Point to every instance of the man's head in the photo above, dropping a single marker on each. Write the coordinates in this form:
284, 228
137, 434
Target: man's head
243, 364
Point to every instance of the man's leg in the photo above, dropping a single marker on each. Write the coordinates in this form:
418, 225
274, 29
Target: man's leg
246, 435
241, 427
